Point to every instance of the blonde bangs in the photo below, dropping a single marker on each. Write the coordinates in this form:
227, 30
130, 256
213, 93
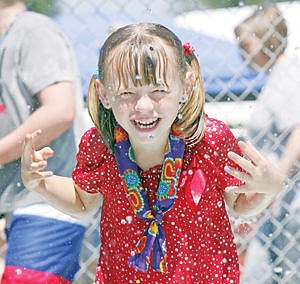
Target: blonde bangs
137, 63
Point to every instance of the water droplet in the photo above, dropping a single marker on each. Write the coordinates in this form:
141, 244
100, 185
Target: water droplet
278, 269
220, 204
179, 116
149, 10
159, 81
123, 221
18, 271
129, 219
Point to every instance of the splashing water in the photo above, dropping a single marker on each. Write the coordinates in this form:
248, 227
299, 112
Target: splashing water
278, 269
129, 219
18, 271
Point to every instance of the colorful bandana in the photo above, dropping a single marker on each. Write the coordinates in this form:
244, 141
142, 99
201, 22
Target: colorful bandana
153, 239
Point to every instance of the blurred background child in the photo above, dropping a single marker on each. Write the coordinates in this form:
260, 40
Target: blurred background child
39, 88
274, 127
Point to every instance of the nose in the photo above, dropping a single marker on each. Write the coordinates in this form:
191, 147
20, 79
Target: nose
144, 104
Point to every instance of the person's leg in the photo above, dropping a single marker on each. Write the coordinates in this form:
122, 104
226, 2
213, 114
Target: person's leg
43, 246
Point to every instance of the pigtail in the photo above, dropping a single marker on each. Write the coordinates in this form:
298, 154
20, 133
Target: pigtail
191, 117
102, 118
93, 103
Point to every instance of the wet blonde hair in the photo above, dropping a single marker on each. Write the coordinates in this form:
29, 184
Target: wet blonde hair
133, 54
192, 119
267, 24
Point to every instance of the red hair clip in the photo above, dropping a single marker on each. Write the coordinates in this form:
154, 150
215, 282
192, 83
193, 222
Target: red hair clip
188, 48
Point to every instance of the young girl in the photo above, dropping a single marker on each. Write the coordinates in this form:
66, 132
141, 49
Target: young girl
158, 163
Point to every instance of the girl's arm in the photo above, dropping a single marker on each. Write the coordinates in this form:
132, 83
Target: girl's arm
60, 192
262, 182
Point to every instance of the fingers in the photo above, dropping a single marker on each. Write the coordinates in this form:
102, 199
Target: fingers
237, 174
44, 154
28, 149
252, 162
251, 152
38, 166
34, 160
237, 189
242, 162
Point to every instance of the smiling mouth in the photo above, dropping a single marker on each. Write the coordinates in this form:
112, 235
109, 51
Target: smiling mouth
146, 124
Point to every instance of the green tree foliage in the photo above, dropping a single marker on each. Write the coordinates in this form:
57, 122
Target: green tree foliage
48, 7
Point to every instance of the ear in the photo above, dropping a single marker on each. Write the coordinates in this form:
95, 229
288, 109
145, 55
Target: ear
102, 94
189, 83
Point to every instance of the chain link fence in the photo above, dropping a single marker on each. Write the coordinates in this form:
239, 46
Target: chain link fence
231, 92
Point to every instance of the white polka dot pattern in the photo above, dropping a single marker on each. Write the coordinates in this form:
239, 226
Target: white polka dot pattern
200, 243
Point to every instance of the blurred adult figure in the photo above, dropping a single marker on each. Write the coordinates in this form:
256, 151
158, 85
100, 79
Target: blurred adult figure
275, 129
39, 89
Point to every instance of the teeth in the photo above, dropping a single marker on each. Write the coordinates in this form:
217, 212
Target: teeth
145, 124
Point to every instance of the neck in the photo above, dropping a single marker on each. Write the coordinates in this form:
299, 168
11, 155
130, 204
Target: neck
149, 155
8, 15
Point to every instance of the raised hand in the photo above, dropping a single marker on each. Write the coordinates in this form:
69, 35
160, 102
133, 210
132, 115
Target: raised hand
33, 163
259, 175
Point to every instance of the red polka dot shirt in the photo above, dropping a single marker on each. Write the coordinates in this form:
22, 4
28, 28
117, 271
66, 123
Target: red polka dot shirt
199, 238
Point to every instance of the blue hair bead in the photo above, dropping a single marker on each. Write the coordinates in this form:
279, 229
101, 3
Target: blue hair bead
96, 75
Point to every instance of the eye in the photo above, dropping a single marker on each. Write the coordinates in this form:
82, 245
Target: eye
126, 94
160, 92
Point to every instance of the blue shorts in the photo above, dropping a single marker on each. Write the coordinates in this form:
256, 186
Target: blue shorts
43, 246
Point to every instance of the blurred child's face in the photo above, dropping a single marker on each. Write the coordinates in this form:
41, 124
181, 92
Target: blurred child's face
147, 111
253, 50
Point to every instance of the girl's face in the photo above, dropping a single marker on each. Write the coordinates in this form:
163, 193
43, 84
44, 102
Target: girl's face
147, 112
